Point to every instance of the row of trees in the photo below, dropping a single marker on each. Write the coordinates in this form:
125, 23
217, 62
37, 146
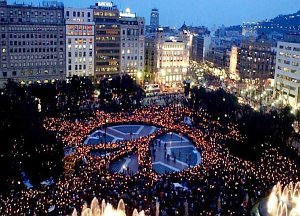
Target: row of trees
63, 97
26, 147
219, 104
71, 97
120, 93
260, 130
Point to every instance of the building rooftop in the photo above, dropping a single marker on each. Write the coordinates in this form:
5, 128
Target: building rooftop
44, 4
292, 38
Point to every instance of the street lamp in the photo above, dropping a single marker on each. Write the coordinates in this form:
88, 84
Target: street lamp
105, 128
139, 76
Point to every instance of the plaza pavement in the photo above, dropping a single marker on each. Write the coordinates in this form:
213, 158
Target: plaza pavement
170, 153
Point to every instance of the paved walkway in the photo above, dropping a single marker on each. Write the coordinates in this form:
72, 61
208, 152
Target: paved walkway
128, 165
170, 153
173, 153
120, 132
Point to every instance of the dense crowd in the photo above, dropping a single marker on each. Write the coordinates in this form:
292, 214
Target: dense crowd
222, 184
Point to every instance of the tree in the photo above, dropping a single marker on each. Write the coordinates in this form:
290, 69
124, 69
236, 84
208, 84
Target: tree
63, 97
26, 146
120, 92
282, 124
218, 104
255, 127
263, 131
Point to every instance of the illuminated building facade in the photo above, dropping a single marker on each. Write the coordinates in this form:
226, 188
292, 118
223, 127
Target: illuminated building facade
217, 49
287, 73
256, 59
79, 42
107, 40
32, 47
233, 63
167, 58
132, 44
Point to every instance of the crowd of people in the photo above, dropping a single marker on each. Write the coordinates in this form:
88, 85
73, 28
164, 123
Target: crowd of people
222, 184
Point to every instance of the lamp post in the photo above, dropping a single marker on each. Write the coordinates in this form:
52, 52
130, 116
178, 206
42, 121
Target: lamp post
105, 125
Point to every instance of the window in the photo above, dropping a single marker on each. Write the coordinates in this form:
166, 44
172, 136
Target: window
296, 49
288, 48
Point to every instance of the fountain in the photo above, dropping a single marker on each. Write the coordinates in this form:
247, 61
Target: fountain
105, 209
284, 202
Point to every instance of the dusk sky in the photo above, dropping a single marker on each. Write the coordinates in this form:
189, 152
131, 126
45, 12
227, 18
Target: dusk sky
201, 12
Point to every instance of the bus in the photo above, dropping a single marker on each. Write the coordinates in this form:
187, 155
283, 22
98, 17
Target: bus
152, 89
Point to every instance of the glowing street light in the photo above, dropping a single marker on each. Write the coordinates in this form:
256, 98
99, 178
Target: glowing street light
139, 74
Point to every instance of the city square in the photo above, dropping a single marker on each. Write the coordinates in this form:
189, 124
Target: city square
150, 108
235, 183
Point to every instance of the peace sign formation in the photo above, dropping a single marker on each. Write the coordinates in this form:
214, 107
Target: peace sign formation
221, 184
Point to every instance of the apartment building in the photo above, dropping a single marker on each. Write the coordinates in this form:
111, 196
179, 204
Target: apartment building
32, 47
287, 72
79, 42
107, 40
132, 44
256, 59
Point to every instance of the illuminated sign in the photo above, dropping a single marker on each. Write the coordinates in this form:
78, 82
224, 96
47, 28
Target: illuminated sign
131, 15
127, 13
105, 4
